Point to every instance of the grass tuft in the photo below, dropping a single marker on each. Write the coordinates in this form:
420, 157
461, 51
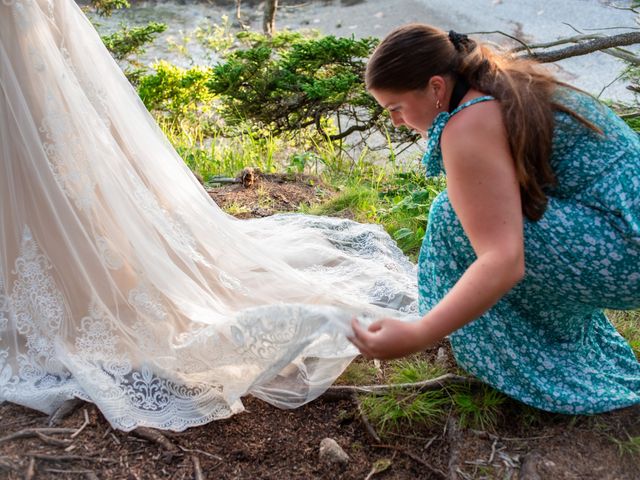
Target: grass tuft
628, 447
413, 370
480, 408
392, 410
358, 373
628, 324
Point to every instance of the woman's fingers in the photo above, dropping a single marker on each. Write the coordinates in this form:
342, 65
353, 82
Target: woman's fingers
363, 349
375, 326
361, 338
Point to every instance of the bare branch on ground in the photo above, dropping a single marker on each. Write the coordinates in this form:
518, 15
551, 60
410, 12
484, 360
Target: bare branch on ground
345, 391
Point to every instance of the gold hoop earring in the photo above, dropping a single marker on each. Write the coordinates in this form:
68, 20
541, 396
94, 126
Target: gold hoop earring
438, 104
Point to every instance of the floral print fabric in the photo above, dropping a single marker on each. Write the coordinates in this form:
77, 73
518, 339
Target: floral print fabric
548, 343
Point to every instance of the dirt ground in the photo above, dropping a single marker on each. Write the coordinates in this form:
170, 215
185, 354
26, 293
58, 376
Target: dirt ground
254, 194
267, 443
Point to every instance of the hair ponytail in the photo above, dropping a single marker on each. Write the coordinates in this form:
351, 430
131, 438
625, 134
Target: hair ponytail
408, 57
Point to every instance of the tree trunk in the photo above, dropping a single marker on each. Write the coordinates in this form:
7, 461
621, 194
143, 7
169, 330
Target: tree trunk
269, 21
238, 10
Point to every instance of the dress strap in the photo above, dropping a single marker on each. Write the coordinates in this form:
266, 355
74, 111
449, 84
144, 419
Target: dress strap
473, 101
432, 158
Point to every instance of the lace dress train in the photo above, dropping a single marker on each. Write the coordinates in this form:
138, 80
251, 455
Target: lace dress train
122, 283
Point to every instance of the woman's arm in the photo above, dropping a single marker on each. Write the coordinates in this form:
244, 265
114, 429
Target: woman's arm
484, 192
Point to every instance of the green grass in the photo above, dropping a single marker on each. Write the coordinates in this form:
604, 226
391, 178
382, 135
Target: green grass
475, 407
628, 324
219, 156
413, 370
359, 373
236, 209
480, 408
631, 446
401, 205
354, 201
395, 409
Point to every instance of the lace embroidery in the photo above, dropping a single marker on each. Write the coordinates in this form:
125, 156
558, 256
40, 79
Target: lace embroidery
110, 257
66, 156
97, 342
263, 331
50, 10
95, 94
23, 18
149, 392
4, 303
389, 294
232, 283
173, 228
36, 60
147, 302
39, 310
151, 328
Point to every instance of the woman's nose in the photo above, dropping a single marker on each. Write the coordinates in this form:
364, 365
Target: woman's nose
396, 119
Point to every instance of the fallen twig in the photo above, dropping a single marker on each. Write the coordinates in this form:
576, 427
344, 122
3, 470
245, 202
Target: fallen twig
493, 451
53, 441
34, 432
414, 457
365, 420
486, 435
7, 466
84, 424
31, 469
202, 452
453, 437
156, 437
630, 115
114, 438
345, 391
64, 411
197, 471
67, 458
59, 470
224, 180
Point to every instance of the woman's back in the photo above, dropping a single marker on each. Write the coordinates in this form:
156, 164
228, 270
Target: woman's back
598, 170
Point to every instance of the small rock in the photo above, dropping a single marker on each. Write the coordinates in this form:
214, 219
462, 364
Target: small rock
331, 452
529, 467
441, 356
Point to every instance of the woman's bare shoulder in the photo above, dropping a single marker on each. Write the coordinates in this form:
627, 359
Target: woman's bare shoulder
483, 117
476, 128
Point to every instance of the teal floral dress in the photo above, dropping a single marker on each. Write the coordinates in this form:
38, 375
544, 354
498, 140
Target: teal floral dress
548, 343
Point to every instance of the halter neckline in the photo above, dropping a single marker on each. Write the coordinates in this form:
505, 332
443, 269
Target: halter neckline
432, 158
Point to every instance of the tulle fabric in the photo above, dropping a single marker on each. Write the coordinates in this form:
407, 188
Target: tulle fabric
122, 282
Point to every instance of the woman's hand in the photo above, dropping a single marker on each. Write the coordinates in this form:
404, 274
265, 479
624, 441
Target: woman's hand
388, 338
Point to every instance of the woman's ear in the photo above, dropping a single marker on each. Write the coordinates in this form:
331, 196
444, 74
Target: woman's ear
438, 86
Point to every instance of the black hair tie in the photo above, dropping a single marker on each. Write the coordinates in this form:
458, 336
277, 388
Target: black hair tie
458, 39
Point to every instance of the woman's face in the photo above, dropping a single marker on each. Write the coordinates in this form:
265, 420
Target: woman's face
414, 109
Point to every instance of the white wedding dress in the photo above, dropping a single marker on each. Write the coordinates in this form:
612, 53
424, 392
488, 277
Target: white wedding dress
123, 283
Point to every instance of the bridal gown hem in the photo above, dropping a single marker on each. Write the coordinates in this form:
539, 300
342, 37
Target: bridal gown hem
123, 283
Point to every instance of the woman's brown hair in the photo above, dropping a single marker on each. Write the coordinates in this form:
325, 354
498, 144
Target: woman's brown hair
410, 55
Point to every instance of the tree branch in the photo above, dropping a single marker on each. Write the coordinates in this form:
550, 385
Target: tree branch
601, 43
623, 55
347, 391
